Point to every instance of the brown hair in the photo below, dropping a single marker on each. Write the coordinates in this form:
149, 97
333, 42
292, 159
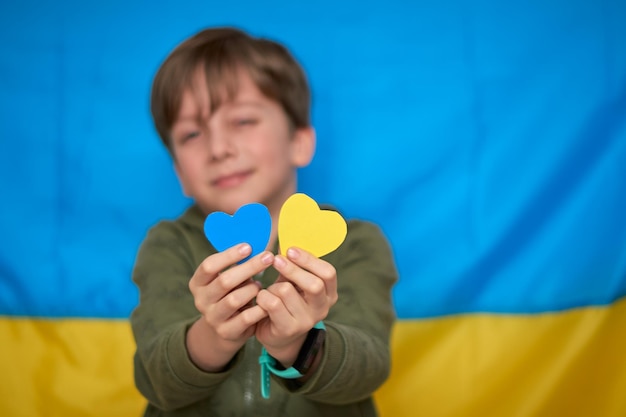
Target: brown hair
221, 53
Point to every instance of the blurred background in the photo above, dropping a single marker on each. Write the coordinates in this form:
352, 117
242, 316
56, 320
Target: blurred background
488, 139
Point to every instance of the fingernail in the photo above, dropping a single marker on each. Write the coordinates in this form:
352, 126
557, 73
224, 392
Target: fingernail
245, 249
280, 261
293, 253
267, 258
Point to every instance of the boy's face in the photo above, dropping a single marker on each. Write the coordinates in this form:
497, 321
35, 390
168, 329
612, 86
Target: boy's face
243, 152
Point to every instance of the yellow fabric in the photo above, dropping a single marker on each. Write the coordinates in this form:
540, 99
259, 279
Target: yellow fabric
563, 364
67, 368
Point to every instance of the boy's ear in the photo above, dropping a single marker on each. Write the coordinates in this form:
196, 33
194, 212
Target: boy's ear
303, 146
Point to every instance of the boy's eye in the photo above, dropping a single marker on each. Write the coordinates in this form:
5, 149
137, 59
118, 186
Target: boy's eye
188, 136
244, 121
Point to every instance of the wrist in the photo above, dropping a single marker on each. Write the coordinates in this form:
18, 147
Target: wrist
207, 351
306, 360
310, 349
286, 355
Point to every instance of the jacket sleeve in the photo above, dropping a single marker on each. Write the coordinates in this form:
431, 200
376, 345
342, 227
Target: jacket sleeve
164, 373
356, 359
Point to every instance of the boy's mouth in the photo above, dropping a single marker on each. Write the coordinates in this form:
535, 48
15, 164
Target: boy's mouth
231, 180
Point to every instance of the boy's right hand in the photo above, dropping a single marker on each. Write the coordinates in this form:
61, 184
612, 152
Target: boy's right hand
223, 292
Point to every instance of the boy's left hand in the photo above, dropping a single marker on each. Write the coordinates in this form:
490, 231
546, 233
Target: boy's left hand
302, 295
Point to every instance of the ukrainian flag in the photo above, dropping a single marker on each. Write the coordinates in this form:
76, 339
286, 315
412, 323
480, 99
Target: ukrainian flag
487, 138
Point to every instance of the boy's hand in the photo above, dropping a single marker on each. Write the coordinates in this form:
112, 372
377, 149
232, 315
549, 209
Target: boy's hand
223, 294
302, 296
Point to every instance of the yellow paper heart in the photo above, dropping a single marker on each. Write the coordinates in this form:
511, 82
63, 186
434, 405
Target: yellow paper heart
303, 224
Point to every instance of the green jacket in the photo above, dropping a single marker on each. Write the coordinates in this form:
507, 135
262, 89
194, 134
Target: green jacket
356, 357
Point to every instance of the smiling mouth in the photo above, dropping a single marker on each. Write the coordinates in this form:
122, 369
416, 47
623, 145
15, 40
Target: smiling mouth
232, 180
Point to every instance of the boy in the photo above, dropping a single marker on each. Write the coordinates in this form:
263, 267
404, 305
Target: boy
233, 111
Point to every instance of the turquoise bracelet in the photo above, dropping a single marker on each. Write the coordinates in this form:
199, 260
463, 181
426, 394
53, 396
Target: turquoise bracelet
268, 365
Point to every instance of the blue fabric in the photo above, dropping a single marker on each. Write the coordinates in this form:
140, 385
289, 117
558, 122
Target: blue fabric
488, 139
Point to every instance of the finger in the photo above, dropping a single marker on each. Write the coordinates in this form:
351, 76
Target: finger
299, 316
208, 270
237, 275
316, 266
313, 287
275, 307
234, 302
216, 307
242, 324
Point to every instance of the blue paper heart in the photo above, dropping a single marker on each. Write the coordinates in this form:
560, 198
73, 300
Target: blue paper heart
250, 224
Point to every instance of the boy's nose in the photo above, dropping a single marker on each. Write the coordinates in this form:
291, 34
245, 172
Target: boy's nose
220, 147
